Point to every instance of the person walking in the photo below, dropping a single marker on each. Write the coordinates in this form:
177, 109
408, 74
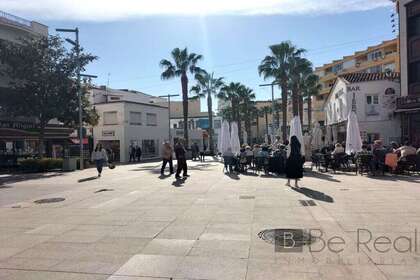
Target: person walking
294, 162
132, 153
181, 160
167, 158
99, 156
138, 153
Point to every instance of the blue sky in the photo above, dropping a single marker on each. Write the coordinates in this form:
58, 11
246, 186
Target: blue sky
233, 43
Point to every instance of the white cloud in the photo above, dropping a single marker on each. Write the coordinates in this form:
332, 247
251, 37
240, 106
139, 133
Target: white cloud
109, 10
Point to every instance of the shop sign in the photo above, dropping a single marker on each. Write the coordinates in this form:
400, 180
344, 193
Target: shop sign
107, 133
17, 125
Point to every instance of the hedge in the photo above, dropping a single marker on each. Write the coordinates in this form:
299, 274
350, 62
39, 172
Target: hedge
41, 165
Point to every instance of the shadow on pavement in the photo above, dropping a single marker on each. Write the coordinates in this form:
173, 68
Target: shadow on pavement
314, 194
179, 182
322, 176
15, 178
233, 176
87, 179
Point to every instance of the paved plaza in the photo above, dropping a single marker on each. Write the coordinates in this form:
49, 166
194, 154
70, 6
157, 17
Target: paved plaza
133, 225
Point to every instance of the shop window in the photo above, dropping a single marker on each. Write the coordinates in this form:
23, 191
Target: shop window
135, 118
149, 148
110, 118
371, 137
217, 124
372, 105
151, 119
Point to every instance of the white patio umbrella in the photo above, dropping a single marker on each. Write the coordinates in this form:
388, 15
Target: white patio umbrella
266, 138
234, 139
353, 139
224, 144
296, 130
334, 129
316, 137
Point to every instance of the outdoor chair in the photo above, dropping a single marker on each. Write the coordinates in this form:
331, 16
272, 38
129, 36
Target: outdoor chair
408, 164
261, 164
363, 163
316, 161
246, 163
229, 163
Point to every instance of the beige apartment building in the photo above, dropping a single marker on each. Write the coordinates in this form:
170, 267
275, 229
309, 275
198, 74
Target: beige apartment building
383, 57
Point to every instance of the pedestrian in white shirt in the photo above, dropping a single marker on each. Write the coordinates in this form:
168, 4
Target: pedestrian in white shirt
99, 156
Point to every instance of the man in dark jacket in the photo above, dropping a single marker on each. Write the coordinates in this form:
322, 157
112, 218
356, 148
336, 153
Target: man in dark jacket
132, 153
138, 153
180, 154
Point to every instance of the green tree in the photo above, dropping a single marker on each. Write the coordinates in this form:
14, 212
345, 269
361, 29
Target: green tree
300, 68
246, 106
41, 74
276, 66
312, 87
231, 93
183, 62
207, 86
265, 111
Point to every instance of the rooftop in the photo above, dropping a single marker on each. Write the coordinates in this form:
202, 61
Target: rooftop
367, 77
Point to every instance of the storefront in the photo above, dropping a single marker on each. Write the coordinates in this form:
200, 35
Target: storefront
409, 108
21, 139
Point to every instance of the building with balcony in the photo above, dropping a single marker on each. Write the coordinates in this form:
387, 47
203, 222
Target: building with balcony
408, 105
380, 58
374, 95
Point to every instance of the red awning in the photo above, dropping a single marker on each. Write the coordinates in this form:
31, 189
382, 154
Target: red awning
76, 141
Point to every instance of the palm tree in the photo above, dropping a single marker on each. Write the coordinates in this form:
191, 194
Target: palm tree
257, 114
207, 86
312, 88
276, 65
300, 69
246, 96
183, 62
265, 111
230, 93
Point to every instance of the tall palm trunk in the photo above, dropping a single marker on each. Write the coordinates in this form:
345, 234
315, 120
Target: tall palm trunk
295, 102
284, 109
210, 111
300, 97
309, 112
258, 128
266, 122
184, 84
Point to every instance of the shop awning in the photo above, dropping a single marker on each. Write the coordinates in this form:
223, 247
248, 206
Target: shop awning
76, 141
407, 110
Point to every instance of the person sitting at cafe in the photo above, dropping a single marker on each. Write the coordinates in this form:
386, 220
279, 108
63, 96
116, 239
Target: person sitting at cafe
338, 149
248, 151
379, 153
264, 152
406, 150
256, 150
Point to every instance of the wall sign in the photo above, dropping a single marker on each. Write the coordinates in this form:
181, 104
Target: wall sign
107, 133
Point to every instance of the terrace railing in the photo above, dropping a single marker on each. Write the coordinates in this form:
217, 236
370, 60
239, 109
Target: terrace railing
12, 19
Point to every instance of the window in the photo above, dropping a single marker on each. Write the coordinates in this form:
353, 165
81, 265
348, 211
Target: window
217, 124
390, 67
337, 68
149, 148
110, 118
151, 119
375, 55
414, 72
372, 105
375, 69
135, 118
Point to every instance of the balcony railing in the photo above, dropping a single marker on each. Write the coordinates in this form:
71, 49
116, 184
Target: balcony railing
9, 18
408, 102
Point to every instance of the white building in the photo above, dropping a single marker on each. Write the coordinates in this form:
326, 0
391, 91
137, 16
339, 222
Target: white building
375, 96
129, 117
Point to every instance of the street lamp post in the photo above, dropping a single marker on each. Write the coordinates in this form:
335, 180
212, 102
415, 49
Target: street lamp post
169, 113
76, 44
273, 104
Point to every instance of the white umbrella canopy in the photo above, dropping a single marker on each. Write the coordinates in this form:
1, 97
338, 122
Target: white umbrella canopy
234, 139
224, 144
296, 130
266, 138
353, 139
316, 137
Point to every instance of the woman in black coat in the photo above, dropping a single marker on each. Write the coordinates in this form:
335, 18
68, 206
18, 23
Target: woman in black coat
294, 163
